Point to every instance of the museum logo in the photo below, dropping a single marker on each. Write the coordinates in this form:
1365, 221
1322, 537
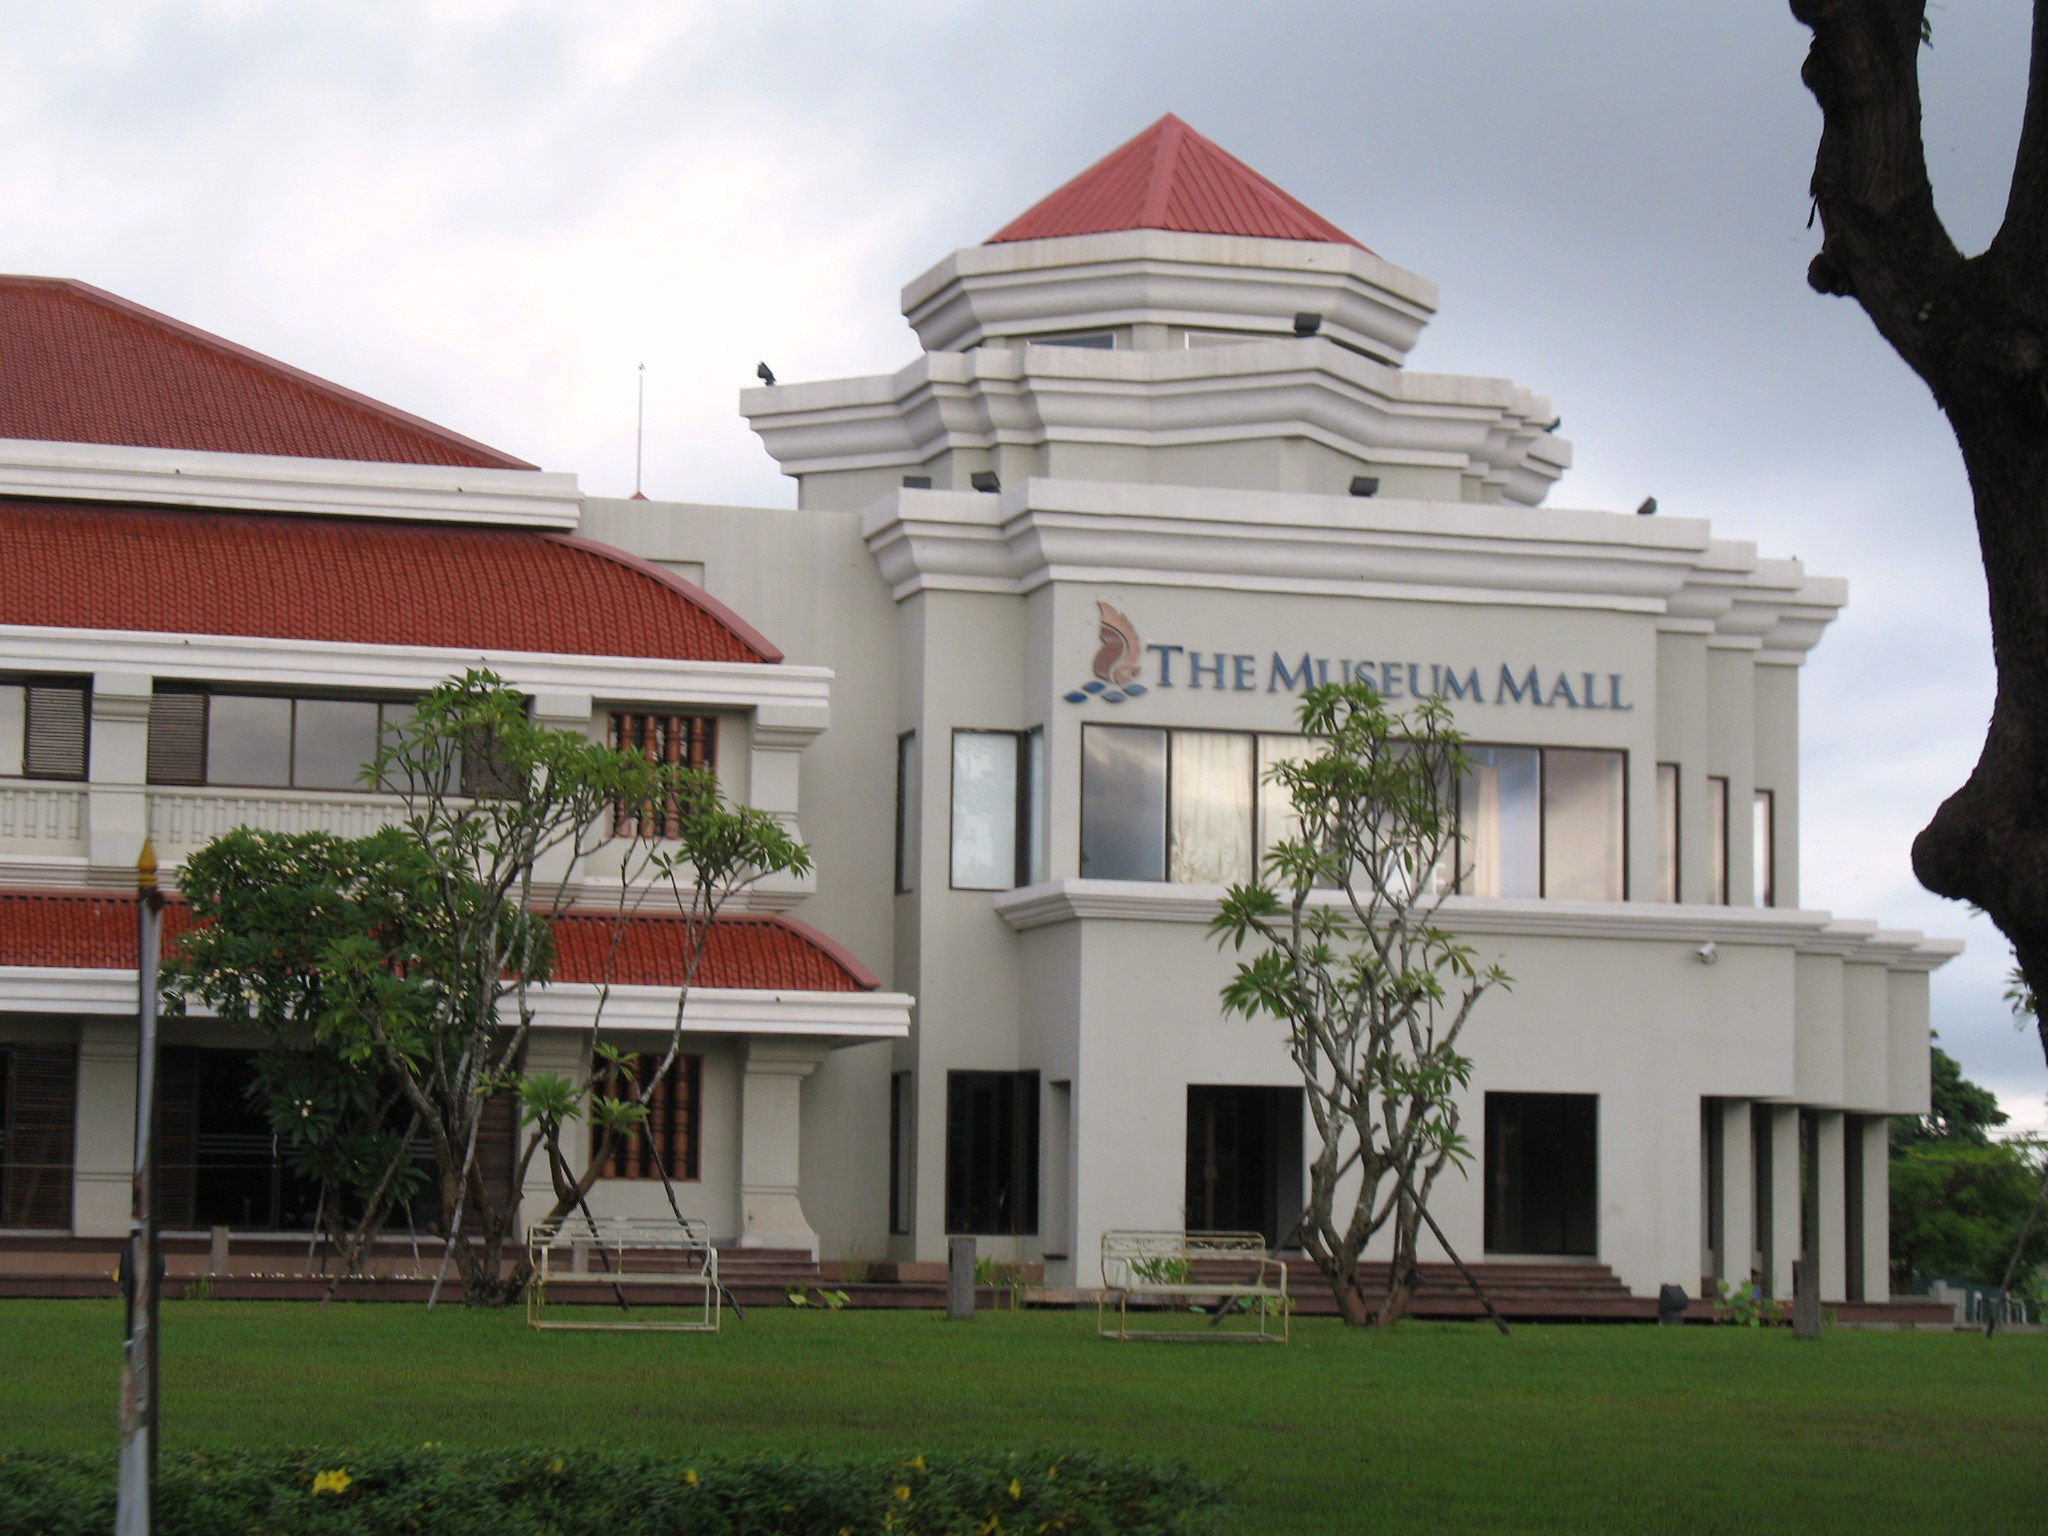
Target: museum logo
1117, 664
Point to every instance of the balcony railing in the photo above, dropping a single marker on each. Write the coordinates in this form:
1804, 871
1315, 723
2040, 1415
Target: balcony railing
183, 820
42, 820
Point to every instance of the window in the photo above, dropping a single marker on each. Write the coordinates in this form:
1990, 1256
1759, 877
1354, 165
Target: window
266, 741
1099, 340
690, 741
992, 1153
902, 1150
1717, 840
1209, 831
43, 728
668, 1141
996, 822
1542, 1173
1544, 821
1763, 830
1123, 803
38, 1134
906, 811
1667, 831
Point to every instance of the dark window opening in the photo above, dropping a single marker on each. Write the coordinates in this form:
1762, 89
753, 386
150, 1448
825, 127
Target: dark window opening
217, 1162
38, 1132
992, 1153
1542, 1173
902, 1151
1244, 1160
669, 1139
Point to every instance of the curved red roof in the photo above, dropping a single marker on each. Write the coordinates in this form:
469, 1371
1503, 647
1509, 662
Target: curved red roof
92, 930
1170, 177
81, 365
78, 565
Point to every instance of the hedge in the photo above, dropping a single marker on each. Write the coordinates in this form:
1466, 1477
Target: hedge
446, 1492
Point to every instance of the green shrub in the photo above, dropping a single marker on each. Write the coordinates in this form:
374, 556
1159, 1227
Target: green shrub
444, 1492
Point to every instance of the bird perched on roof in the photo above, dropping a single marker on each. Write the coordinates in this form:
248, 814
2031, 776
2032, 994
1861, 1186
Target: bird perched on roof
765, 374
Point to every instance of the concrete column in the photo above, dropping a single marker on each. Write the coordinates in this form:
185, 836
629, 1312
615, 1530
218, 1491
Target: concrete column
559, 1052
1876, 1257
1785, 1234
1832, 1203
772, 1074
1737, 1194
102, 1180
560, 712
117, 803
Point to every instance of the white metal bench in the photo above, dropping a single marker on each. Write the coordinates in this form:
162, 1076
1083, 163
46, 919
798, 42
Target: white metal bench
626, 1252
1187, 1269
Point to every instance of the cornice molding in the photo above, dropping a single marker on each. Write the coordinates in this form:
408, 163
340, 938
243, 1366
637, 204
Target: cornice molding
503, 498
1802, 931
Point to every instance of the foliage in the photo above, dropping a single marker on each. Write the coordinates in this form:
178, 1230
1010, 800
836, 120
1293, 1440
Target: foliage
534, 1492
1957, 1208
1960, 1112
400, 967
1745, 1305
1349, 958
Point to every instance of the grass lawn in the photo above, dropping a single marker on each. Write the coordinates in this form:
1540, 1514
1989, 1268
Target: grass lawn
1438, 1428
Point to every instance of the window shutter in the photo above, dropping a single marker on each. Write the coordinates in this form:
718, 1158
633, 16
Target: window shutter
177, 737
38, 1130
691, 740
55, 743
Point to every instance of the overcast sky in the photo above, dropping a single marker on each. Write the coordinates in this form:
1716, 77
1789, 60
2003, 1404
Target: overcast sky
489, 211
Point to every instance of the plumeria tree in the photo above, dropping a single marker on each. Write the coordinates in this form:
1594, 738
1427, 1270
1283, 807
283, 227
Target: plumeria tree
414, 956
1343, 948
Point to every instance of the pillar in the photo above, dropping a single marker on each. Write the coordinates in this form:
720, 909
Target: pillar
1737, 1193
772, 1074
117, 803
1783, 1124
1876, 1255
1831, 1226
559, 1052
103, 1177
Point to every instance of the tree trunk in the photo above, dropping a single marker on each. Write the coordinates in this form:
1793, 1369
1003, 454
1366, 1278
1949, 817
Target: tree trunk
1353, 1305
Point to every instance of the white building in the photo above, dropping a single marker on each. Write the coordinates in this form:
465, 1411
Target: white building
1160, 421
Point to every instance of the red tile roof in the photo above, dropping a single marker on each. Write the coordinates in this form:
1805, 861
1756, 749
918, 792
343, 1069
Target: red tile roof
72, 565
1170, 177
80, 365
90, 930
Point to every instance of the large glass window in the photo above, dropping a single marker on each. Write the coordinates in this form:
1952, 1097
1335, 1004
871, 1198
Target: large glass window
1717, 840
1667, 831
1763, 829
992, 1152
1123, 803
265, 741
996, 820
1500, 810
1583, 796
1212, 779
1278, 822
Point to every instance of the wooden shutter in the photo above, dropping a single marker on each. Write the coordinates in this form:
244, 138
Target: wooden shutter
177, 737
671, 1128
38, 1135
54, 747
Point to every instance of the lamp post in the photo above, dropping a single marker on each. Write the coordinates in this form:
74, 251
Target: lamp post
135, 1507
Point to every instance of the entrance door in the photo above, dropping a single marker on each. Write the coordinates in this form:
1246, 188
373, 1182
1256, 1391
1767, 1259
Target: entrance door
1542, 1173
1244, 1159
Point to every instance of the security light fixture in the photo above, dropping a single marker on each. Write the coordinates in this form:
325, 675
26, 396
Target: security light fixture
1365, 485
985, 480
1307, 322
1648, 508
1707, 953
917, 482
765, 374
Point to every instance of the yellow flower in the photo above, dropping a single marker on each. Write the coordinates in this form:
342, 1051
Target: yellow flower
903, 1492
690, 1477
916, 1463
990, 1526
555, 1465
1016, 1489
336, 1481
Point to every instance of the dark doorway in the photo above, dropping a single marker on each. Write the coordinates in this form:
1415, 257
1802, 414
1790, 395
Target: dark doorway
992, 1152
1244, 1159
38, 1099
217, 1162
1542, 1173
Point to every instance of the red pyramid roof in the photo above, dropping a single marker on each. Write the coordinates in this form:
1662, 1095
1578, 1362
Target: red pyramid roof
80, 365
1170, 177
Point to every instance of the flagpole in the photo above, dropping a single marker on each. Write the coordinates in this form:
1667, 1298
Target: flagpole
135, 1507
